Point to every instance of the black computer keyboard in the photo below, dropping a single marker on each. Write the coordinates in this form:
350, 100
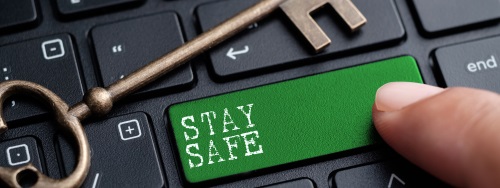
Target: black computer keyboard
148, 140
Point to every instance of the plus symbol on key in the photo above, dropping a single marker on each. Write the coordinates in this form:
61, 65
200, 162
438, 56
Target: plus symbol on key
129, 130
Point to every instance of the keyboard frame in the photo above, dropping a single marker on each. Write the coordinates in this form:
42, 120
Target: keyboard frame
319, 170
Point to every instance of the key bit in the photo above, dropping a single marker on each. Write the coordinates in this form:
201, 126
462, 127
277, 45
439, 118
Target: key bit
299, 11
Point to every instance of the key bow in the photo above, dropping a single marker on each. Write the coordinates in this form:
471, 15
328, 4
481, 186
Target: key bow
69, 123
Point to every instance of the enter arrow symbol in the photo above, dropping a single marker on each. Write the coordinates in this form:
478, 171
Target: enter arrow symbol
232, 54
393, 176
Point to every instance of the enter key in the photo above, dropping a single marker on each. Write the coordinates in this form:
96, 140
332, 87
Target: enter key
284, 122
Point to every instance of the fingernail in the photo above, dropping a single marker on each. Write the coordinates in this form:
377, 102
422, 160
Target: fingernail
396, 95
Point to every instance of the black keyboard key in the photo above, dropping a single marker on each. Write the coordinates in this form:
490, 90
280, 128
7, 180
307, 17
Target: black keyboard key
301, 183
121, 50
472, 64
122, 153
274, 42
48, 61
20, 152
79, 7
384, 175
440, 16
17, 13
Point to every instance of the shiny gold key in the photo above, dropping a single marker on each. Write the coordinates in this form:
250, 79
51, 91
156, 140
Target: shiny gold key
99, 101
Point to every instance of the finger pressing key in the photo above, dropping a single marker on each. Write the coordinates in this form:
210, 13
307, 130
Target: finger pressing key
99, 101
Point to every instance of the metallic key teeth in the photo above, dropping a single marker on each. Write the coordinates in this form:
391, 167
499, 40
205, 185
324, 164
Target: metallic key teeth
299, 12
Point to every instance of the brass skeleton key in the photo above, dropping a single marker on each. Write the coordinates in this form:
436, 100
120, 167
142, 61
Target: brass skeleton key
99, 101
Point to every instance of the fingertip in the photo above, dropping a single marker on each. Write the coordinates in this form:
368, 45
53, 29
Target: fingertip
396, 95
393, 97
445, 132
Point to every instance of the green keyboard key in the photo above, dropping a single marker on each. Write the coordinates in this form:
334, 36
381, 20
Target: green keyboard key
281, 123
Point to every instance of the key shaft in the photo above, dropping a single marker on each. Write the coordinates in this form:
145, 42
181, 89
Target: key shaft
99, 101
